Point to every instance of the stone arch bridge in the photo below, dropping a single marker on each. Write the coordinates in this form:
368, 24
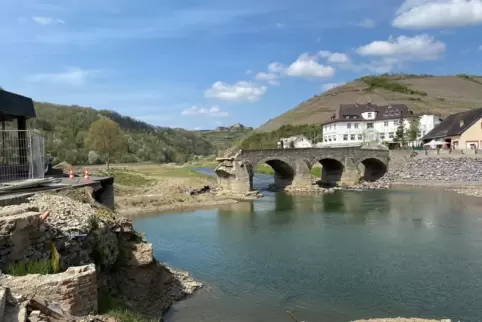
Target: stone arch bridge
345, 165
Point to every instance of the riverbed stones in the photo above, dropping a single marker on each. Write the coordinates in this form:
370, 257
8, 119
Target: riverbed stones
438, 171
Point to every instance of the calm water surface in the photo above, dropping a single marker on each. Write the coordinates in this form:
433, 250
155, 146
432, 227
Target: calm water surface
339, 257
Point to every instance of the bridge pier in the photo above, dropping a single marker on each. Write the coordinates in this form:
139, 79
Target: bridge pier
234, 176
352, 172
302, 177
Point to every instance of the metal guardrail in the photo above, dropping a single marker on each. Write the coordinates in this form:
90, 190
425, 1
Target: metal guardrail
21, 155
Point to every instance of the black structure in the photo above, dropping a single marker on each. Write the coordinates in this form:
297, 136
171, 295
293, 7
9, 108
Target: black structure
19, 108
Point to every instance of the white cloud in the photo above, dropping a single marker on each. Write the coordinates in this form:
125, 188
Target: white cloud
274, 82
423, 14
404, 48
367, 23
47, 20
280, 25
266, 76
328, 86
72, 76
214, 111
275, 67
336, 58
480, 47
308, 66
241, 91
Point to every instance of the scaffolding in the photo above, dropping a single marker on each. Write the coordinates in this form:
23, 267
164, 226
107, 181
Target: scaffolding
21, 155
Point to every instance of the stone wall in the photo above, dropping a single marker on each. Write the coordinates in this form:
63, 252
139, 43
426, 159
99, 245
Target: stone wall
449, 171
22, 237
74, 291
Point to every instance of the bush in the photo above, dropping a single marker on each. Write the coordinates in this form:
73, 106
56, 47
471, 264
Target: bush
390, 85
117, 309
42, 266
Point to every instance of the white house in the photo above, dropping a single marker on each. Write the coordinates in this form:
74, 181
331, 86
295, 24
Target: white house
298, 141
357, 123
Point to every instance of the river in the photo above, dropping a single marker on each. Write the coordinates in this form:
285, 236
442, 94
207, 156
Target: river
337, 257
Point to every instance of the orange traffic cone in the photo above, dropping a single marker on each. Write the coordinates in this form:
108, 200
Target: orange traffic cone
71, 174
86, 174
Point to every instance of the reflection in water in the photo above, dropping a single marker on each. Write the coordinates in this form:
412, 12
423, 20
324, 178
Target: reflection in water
335, 257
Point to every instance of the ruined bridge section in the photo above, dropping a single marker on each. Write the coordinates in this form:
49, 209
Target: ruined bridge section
293, 166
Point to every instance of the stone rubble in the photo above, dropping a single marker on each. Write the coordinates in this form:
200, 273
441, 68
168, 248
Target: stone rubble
439, 171
80, 230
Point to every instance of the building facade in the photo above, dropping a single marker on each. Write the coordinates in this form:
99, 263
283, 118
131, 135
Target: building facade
298, 141
358, 123
461, 131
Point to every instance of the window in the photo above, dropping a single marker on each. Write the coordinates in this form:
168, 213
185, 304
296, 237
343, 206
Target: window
419, 133
360, 137
370, 114
326, 140
356, 125
345, 137
382, 136
390, 135
385, 124
369, 125
334, 137
395, 123
352, 137
348, 125
334, 126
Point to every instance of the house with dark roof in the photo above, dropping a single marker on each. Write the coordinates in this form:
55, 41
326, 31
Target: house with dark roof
21, 150
352, 124
458, 131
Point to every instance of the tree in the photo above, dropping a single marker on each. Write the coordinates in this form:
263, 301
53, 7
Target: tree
106, 138
414, 129
400, 133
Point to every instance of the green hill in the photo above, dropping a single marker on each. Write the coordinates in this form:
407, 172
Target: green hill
224, 137
440, 95
65, 128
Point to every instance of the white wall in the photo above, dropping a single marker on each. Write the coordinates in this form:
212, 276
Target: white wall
334, 133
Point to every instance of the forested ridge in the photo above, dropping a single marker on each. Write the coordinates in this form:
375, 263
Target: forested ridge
65, 129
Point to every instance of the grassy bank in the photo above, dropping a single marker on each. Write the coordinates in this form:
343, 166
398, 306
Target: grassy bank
158, 188
116, 309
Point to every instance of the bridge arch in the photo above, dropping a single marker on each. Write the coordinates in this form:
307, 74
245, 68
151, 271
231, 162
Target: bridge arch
332, 170
374, 169
284, 170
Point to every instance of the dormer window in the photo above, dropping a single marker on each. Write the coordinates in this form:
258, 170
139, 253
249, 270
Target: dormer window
369, 114
461, 123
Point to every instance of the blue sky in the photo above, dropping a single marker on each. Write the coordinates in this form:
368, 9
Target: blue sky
205, 63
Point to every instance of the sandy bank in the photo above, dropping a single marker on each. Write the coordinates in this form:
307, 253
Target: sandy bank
196, 203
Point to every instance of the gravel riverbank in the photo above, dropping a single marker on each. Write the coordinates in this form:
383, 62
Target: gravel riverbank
462, 175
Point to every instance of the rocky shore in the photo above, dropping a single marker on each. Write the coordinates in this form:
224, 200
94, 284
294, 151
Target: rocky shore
462, 175
95, 247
